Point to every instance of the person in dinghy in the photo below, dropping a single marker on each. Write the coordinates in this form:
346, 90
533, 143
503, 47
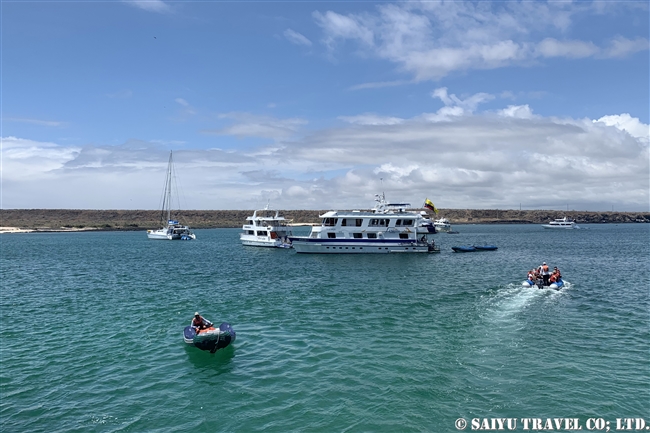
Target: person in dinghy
202, 334
199, 323
536, 277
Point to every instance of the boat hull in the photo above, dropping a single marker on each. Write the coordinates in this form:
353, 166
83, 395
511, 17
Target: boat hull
211, 339
560, 227
159, 235
263, 242
172, 233
324, 246
540, 285
464, 249
485, 247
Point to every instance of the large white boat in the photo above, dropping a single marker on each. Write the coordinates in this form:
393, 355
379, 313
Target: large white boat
266, 228
561, 223
442, 225
387, 228
172, 229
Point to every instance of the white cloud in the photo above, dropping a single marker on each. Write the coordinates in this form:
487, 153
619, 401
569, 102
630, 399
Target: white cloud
296, 38
454, 106
247, 125
550, 47
625, 122
622, 47
378, 85
471, 160
371, 119
185, 112
338, 26
34, 121
150, 5
429, 40
517, 111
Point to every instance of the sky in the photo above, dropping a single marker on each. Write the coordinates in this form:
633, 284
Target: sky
321, 105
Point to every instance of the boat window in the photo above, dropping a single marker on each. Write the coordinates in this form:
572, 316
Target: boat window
403, 236
251, 232
359, 222
357, 235
331, 235
398, 223
372, 235
407, 223
344, 222
330, 222
378, 222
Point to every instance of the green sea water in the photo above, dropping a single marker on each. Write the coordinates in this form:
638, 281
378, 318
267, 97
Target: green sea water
91, 333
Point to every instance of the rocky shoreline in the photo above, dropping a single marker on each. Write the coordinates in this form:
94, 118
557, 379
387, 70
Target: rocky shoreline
49, 220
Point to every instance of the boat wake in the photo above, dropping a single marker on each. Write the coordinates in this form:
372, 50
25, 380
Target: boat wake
507, 303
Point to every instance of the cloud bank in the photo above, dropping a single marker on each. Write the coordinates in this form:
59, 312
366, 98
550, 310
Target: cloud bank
459, 157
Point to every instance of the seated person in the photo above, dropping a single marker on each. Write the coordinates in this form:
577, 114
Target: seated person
531, 276
199, 323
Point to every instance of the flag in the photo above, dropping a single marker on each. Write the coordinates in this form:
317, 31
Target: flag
429, 205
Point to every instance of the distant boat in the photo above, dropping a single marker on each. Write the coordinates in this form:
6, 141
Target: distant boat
266, 230
172, 229
442, 225
561, 223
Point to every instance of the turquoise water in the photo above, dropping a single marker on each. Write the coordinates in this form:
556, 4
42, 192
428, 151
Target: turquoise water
91, 333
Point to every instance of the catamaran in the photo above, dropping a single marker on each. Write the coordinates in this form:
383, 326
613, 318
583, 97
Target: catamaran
172, 229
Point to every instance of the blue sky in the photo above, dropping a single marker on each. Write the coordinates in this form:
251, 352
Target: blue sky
320, 105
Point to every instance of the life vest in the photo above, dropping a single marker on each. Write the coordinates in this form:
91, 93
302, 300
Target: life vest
553, 278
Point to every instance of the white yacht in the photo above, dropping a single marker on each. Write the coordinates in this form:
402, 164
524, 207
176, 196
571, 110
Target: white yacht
442, 225
561, 223
387, 228
172, 229
266, 229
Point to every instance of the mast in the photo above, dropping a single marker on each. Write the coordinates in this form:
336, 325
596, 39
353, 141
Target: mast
169, 187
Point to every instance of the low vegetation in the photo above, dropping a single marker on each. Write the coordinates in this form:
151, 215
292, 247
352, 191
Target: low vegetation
55, 219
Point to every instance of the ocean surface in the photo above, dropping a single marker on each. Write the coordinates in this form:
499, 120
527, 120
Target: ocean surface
91, 333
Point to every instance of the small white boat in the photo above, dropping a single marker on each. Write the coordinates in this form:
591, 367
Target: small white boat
442, 225
266, 228
387, 228
561, 223
172, 229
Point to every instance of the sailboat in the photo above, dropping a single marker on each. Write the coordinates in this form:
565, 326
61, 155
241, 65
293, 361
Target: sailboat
172, 230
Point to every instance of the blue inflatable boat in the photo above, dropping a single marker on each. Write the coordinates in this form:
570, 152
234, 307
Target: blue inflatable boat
485, 247
464, 249
211, 339
540, 284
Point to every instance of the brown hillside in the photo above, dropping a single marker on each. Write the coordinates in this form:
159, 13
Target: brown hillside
55, 219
